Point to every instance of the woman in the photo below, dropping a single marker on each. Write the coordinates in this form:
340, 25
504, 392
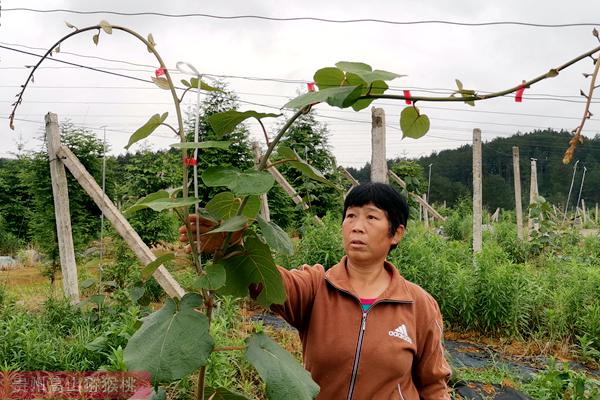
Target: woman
366, 332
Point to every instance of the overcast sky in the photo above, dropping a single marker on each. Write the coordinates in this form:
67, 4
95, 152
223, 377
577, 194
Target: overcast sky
486, 58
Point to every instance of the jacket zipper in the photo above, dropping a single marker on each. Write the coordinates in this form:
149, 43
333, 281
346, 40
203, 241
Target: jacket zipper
361, 334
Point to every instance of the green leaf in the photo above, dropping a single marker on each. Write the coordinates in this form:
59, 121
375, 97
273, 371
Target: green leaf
153, 265
328, 77
203, 85
342, 97
377, 87
350, 66
209, 144
465, 93
234, 224
136, 293
213, 279
225, 122
97, 344
146, 130
413, 124
162, 83
241, 183
301, 165
106, 27
222, 394
140, 204
172, 342
185, 83
88, 283
254, 265
69, 25
152, 43
95, 38
98, 299
276, 237
224, 205
161, 204
284, 375
252, 207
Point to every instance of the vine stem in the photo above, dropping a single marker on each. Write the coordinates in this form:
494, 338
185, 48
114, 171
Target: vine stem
550, 74
577, 138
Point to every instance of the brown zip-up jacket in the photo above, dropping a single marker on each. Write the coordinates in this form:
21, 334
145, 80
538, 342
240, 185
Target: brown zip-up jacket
392, 351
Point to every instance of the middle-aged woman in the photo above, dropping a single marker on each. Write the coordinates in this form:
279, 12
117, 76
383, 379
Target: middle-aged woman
367, 333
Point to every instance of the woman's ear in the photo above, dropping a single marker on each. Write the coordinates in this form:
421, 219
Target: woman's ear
398, 234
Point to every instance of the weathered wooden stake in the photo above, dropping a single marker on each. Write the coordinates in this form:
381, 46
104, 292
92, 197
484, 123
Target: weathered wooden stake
61, 211
596, 215
477, 192
583, 211
348, 175
416, 197
378, 160
533, 197
264, 202
518, 204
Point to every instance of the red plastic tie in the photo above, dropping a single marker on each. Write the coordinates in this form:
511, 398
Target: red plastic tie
311, 86
190, 162
519, 93
160, 72
407, 95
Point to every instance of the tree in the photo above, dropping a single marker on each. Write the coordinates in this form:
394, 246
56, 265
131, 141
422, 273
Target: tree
308, 138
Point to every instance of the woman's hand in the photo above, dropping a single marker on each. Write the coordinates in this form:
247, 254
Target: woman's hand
209, 242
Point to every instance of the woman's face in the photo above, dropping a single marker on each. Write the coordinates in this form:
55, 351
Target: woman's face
366, 232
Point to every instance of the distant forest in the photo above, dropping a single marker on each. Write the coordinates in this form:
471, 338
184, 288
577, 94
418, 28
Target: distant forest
451, 172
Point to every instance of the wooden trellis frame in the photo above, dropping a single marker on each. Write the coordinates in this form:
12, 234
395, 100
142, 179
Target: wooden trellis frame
60, 157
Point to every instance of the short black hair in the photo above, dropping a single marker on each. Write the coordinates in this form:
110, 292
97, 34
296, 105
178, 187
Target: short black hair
383, 196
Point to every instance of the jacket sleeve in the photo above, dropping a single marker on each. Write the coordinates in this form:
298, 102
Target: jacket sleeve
432, 371
300, 285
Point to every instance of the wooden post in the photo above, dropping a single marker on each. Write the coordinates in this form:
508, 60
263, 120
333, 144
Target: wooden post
416, 197
349, 176
425, 213
533, 196
264, 202
496, 215
518, 205
61, 211
596, 215
477, 192
583, 211
378, 160
118, 221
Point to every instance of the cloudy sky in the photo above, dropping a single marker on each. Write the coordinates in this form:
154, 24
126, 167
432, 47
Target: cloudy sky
268, 62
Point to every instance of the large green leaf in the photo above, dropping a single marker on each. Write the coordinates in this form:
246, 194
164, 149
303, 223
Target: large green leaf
153, 266
413, 124
214, 277
254, 265
350, 66
301, 165
328, 77
233, 224
141, 203
225, 205
222, 394
365, 72
209, 144
276, 237
161, 204
172, 342
146, 130
342, 97
225, 122
465, 93
284, 375
241, 183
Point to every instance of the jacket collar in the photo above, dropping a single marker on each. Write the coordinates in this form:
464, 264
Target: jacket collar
338, 277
